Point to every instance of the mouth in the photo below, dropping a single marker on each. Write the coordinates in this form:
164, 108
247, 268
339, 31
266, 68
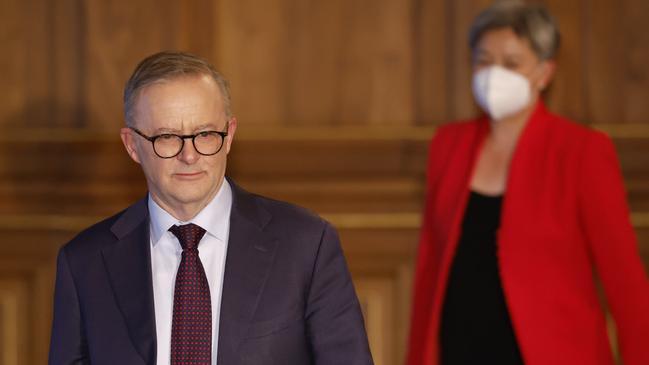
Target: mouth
189, 175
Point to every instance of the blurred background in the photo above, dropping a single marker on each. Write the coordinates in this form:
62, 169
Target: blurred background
336, 102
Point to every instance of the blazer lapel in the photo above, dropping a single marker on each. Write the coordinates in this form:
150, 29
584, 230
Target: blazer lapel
128, 263
250, 256
527, 175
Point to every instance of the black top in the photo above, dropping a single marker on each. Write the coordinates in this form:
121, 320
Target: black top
476, 328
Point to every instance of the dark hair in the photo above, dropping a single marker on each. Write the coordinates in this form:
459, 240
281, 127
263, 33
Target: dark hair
532, 22
165, 66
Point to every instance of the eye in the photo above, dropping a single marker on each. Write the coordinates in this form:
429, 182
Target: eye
166, 136
511, 66
204, 134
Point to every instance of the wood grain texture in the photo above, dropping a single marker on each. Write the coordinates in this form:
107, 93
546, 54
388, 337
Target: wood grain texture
26, 273
618, 52
336, 101
308, 63
567, 93
636, 54
461, 14
431, 59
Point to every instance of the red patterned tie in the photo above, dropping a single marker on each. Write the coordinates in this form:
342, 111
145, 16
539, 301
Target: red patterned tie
191, 328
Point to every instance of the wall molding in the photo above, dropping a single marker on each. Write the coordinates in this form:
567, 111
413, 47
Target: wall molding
254, 132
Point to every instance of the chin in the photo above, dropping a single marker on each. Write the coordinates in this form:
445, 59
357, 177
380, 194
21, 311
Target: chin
189, 195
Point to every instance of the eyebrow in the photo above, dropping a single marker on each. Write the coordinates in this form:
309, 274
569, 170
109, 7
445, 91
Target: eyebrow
165, 130
178, 131
508, 55
480, 52
206, 126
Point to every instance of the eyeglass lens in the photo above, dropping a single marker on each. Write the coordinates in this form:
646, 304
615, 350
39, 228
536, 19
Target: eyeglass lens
206, 143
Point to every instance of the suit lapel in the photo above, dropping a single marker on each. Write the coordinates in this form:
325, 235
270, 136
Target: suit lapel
128, 263
527, 174
250, 255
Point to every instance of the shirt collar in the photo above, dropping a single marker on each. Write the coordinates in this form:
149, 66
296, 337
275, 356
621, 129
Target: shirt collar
214, 218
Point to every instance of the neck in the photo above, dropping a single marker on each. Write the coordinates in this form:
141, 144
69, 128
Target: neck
184, 212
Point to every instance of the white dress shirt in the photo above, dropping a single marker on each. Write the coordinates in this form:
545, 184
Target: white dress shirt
165, 259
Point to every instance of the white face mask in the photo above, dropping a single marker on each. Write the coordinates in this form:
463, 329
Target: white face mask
500, 92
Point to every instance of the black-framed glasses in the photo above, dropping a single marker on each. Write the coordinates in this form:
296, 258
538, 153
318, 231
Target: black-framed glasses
168, 145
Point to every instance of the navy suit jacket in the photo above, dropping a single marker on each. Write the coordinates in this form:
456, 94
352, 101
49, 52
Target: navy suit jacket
287, 294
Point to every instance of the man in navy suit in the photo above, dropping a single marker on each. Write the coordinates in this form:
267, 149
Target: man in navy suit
200, 271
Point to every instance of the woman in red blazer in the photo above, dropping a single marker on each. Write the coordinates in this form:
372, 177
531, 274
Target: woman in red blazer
522, 208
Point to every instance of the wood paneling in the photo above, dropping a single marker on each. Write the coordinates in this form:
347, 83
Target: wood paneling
26, 273
26, 77
330, 174
336, 102
382, 277
294, 62
461, 13
370, 187
567, 93
617, 50
286, 68
430, 77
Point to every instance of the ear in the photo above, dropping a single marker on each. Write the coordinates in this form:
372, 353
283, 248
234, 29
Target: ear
129, 143
549, 68
232, 128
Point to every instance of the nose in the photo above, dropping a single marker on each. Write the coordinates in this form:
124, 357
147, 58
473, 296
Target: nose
188, 154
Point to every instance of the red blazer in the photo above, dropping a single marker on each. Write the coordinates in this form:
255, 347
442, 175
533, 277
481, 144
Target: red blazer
564, 217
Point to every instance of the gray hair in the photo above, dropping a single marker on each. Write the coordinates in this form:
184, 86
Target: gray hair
532, 22
165, 66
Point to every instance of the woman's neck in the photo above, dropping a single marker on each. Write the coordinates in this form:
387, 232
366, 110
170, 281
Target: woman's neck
506, 132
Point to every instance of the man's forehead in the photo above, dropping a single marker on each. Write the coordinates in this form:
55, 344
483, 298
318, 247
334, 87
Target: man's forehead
180, 102
189, 81
187, 88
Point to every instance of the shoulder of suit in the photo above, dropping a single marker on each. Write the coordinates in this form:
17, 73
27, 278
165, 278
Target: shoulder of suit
291, 210
458, 127
94, 237
559, 127
450, 134
288, 214
574, 134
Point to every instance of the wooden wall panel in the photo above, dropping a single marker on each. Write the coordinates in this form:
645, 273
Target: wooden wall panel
567, 92
118, 35
604, 48
12, 319
618, 51
336, 102
251, 59
318, 63
26, 273
196, 30
25, 33
382, 279
66, 62
431, 45
636, 55
461, 14
13, 37
94, 176
70, 59
307, 63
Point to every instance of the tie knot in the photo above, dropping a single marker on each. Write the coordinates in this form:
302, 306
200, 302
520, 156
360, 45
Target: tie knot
188, 234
